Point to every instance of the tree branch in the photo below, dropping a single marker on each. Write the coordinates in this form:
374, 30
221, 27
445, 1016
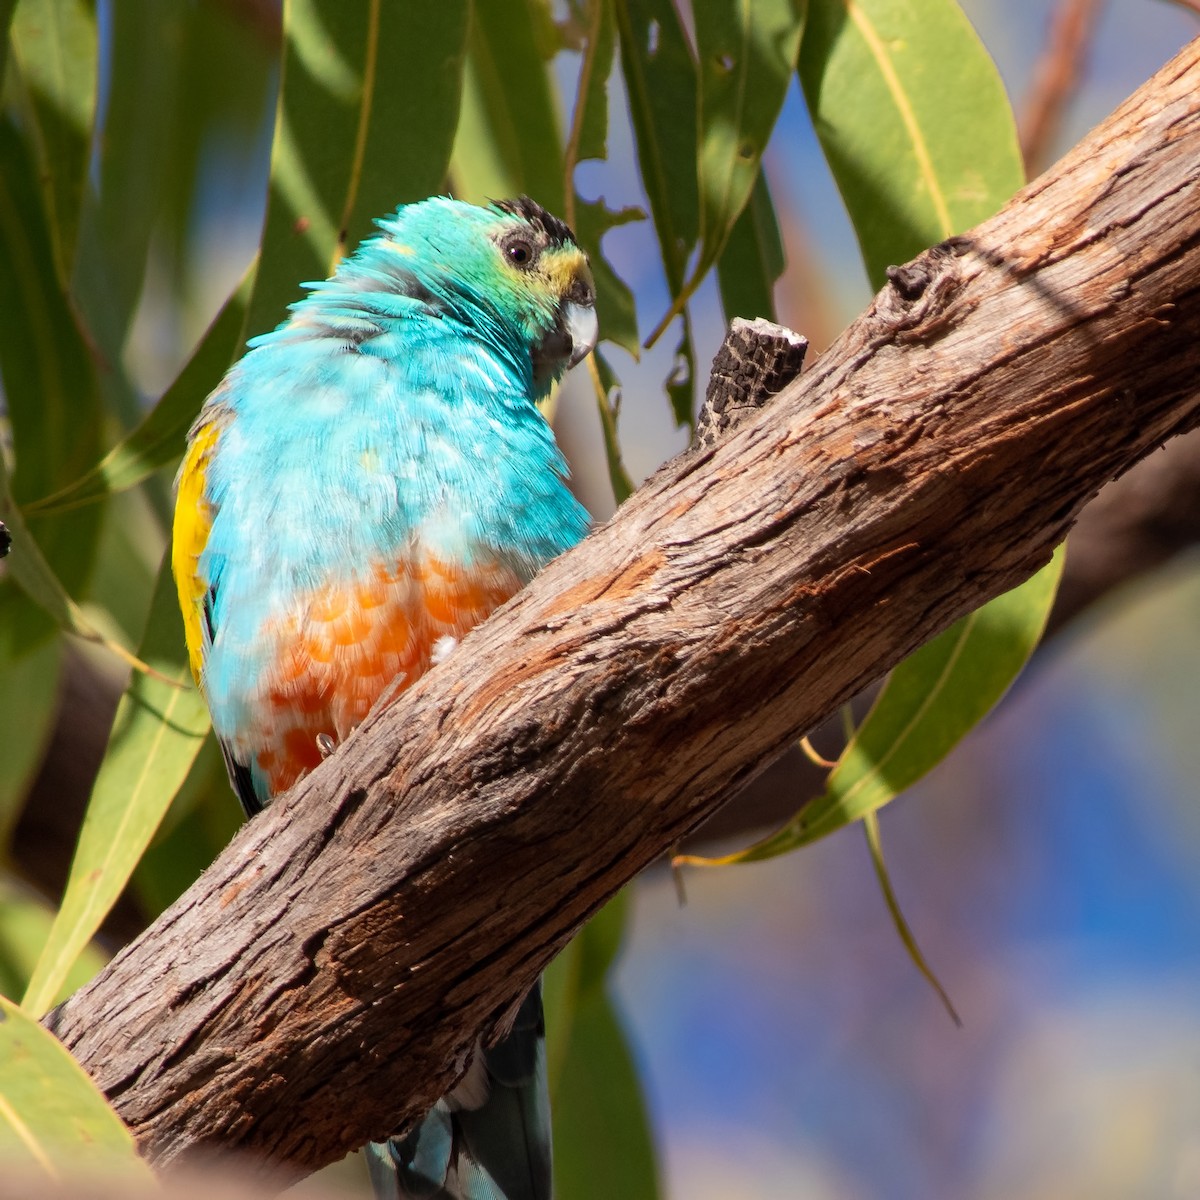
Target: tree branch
326, 978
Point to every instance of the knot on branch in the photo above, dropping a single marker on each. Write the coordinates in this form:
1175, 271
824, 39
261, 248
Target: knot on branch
756, 361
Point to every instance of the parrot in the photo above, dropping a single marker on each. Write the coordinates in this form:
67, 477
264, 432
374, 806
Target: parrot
369, 481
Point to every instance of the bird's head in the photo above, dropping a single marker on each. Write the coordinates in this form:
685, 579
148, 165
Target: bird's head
510, 265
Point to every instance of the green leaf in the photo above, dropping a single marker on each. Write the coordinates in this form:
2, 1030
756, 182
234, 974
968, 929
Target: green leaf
509, 139
30, 662
54, 52
904, 932
747, 54
25, 921
615, 307
603, 1145
203, 817
660, 79
928, 704
53, 1119
158, 440
365, 116
576, 974
608, 403
660, 82
753, 259
159, 729
913, 119
144, 45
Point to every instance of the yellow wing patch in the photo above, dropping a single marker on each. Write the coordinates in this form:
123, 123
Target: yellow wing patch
193, 520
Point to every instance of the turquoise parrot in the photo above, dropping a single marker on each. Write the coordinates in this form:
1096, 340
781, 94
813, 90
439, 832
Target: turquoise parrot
367, 483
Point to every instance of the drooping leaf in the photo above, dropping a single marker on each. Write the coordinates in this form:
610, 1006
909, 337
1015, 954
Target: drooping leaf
203, 817
592, 219
660, 81
752, 260
158, 440
928, 704
615, 306
747, 54
578, 972
159, 729
608, 403
53, 1119
603, 1144
144, 47
904, 931
913, 119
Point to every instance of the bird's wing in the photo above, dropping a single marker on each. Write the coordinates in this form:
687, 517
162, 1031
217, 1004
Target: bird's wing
193, 523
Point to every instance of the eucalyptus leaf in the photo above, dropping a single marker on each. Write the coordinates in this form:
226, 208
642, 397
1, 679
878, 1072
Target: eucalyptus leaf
913, 119
53, 1119
159, 729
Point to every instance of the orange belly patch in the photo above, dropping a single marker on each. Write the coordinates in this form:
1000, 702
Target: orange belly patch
346, 644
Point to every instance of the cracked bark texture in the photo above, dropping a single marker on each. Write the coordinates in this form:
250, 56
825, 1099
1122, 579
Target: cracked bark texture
323, 981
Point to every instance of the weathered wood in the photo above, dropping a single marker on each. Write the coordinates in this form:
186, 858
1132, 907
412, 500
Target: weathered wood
326, 976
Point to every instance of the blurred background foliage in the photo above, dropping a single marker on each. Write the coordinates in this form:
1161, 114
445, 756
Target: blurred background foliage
170, 171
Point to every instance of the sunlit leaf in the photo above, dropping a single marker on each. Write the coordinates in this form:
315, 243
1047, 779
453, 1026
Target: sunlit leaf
913, 119
53, 1119
752, 260
203, 817
159, 729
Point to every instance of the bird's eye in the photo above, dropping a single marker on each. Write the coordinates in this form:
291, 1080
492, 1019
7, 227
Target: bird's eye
520, 252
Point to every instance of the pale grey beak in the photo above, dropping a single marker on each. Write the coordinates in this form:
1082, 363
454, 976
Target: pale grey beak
580, 324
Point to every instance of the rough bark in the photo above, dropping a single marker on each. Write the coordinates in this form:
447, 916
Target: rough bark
326, 977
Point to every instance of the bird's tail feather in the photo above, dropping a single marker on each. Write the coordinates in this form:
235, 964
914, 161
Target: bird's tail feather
489, 1143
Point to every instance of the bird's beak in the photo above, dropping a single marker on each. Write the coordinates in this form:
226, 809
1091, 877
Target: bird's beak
580, 325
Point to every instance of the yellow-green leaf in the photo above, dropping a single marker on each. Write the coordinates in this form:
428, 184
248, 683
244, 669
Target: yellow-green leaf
913, 119
53, 1119
158, 731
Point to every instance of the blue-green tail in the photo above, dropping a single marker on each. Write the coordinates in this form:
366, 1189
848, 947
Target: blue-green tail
475, 1146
